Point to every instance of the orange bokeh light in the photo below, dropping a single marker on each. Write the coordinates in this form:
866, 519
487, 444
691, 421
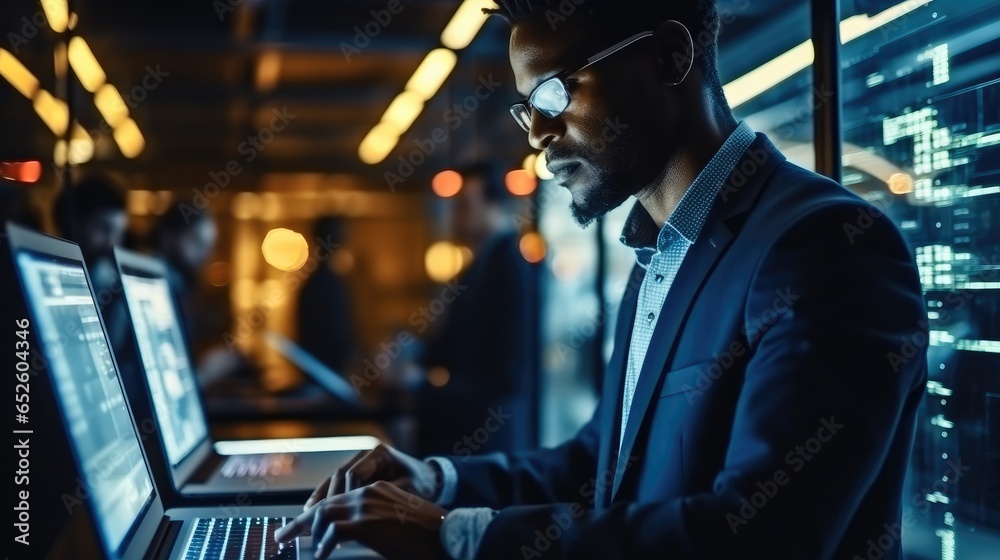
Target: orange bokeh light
532, 247
446, 183
519, 182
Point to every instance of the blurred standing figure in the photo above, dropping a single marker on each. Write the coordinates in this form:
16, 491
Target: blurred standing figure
185, 241
325, 316
484, 338
92, 214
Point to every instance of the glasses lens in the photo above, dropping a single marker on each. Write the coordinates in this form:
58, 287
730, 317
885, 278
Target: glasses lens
551, 98
522, 115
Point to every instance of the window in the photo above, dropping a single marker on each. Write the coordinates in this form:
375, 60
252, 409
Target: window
921, 141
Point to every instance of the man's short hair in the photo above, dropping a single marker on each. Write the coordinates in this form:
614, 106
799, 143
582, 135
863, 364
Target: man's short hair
610, 21
76, 204
176, 220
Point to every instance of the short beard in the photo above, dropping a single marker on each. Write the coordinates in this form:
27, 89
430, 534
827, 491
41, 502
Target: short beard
599, 203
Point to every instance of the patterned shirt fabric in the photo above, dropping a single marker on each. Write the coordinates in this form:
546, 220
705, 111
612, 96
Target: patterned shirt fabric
662, 252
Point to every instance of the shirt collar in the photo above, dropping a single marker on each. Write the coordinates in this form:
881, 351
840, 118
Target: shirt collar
640, 231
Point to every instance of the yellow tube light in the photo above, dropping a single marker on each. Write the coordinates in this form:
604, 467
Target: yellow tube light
111, 105
431, 73
83, 62
53, 112
403, 110
129, 139
57, 14
20, 77
379, 142
465, 24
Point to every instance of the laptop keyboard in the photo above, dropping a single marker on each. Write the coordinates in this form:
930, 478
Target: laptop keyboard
240, 466
237, 538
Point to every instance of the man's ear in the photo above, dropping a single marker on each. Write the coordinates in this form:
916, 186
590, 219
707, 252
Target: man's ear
676, 46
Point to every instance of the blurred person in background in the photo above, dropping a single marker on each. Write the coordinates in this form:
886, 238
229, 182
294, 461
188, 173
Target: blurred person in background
185, 239
325, 317
477, 394
92, 214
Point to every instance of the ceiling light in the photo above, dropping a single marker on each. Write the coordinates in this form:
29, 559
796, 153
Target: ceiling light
378, 143
431, 73
20, 77
787, 64
83, 62
129, 139
52, 111
403, 110
464, 25
57, 14
111, 105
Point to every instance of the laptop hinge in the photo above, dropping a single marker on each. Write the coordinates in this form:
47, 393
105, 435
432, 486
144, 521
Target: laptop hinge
164, 539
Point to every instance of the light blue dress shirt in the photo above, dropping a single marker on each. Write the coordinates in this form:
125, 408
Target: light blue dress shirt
663, 260
660, 251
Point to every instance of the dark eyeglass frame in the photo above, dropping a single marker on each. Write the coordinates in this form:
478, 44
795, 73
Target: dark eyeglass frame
521, 111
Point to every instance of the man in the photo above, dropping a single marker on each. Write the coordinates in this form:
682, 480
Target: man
769, 357
483, 340
185, 241
92, 213
324, 314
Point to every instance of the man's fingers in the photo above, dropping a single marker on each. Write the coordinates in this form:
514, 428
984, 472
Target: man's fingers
325, 546
337, 486
365, 470
318, 494
297, 527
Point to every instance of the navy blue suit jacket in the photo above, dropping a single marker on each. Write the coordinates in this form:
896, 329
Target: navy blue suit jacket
775, 409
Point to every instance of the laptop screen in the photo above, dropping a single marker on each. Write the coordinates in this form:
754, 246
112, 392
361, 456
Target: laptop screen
172, 383
90, 395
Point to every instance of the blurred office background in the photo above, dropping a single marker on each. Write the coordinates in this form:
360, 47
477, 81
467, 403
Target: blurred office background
270, 114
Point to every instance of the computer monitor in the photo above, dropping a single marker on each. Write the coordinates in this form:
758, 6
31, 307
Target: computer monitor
89, 393
172, 384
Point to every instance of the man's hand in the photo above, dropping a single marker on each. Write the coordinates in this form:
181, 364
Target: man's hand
393, 522
381, 463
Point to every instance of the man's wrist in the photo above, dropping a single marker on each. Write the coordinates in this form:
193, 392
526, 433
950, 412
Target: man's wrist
446, 480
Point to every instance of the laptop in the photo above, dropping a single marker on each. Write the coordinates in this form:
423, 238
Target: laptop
319, 372
127, 518
166, 390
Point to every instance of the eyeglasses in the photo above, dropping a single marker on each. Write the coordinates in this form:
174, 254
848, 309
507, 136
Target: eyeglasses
551, 97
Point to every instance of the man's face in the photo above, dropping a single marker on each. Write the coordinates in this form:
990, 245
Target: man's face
195, 245
617, 133
103, 231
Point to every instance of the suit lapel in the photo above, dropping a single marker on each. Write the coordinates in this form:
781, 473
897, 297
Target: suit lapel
736, 198
614, 377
